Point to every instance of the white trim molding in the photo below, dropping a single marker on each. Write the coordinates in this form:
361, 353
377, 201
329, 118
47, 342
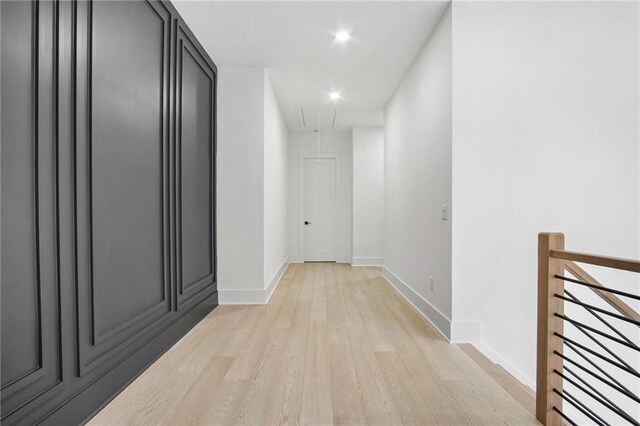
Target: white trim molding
367, 261
471, 332
497, 359
430, 312
341, 258
454, 331
252, 296
275, 280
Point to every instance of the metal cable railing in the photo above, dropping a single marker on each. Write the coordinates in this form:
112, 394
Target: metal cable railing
595, 364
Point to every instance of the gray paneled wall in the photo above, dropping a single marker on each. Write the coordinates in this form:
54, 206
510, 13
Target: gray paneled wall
108, 199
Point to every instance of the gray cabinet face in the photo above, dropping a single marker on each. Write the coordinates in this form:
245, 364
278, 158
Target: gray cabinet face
195, 109
30, 328
122, 172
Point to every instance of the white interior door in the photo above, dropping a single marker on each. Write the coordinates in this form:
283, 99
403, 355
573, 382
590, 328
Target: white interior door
319, 214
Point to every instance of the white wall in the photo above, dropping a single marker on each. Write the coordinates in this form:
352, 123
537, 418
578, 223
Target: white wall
368, 195
417, 177
275, 187
240, 180
331, 142
545, 138
252, 186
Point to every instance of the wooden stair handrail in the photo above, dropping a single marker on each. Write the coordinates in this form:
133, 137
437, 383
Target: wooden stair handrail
613, 300
609, 262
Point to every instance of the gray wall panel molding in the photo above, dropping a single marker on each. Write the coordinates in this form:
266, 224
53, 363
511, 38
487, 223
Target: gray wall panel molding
31, 335
195, 173
103, 201
123, 264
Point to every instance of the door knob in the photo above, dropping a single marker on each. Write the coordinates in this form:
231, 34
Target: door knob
306, 222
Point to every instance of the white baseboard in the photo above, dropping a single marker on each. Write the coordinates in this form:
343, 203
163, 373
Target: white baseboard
252, 296
298, 258
275, 280
471, 332
241, 296
430, 312
497, 359
367, 261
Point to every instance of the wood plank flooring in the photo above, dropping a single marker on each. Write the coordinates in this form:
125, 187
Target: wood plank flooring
335, 345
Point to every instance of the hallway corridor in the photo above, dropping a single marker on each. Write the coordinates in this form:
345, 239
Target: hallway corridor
336, 344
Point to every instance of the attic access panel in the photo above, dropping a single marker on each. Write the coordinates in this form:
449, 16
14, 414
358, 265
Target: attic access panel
313, 117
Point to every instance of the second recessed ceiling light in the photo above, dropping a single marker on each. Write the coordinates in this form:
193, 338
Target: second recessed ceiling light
342, 36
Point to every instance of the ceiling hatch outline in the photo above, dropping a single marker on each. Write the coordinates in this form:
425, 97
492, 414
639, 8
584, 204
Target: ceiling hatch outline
318, 116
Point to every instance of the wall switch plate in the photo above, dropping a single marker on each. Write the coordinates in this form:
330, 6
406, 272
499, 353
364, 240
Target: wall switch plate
431, 281
445, 212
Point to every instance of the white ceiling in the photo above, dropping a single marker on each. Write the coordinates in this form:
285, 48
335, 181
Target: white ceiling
294, 40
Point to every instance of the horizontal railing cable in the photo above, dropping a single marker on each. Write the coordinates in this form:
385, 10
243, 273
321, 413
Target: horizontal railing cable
611, 382
595, 308
592, 352
605, 401
601, 288
602, 320
596, 366
604, 348
564, 416
595, 395
620, 363
581, 407
583, 327
590, 410
589, 390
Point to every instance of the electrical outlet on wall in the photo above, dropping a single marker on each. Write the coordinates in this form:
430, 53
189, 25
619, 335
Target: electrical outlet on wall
431, 281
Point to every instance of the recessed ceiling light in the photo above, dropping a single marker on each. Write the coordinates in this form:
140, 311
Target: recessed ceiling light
342, 36
334, 96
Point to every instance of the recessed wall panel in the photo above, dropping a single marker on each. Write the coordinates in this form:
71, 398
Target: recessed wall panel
126, 160
195, 171
30, 360
122, 170
20, 314
195, 148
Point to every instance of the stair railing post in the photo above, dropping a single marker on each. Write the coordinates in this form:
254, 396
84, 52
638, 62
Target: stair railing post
548, 324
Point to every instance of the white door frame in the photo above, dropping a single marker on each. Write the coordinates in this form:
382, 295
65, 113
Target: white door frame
306, 156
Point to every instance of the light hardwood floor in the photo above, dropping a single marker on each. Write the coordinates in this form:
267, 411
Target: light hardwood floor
335, 344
